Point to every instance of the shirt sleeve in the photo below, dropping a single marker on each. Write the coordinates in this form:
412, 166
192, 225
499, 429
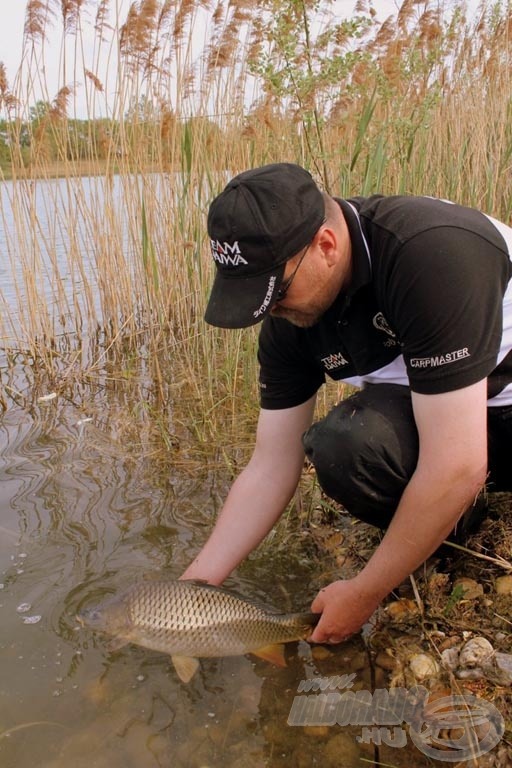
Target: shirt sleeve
288, 374
445, 295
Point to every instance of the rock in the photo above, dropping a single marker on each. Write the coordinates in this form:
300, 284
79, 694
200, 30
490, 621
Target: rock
423, 666
499, 671
476, 673
342, 750
450, 658
386, 661
404, 609
448, 642
249, 699
503, 585
477, 652
358, 661
320, 653
471, 589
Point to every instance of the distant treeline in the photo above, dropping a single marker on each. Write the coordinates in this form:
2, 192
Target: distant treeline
142, 136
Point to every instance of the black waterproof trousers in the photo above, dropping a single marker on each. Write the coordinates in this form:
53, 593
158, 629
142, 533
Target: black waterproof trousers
366, 449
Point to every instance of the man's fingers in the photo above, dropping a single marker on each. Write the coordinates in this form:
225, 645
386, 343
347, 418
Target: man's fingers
318, 604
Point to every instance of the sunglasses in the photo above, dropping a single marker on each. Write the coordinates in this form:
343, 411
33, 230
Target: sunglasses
285, 285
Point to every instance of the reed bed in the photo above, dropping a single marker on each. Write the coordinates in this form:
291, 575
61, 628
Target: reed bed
107, 178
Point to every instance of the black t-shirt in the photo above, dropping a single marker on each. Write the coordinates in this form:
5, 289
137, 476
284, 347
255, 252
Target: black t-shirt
429, 306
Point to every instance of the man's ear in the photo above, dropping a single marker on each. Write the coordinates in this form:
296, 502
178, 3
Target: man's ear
326, 241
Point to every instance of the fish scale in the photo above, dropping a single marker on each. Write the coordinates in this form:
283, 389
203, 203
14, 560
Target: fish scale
189, 619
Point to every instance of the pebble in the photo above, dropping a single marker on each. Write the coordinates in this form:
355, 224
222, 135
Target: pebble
402, 610
503, 662
386, 661
449, 642
471, 589
423, 666
31, 619
478, 660
450, 658
342, 750
248, 699
358, 661
476, 652
503, 585
320, 653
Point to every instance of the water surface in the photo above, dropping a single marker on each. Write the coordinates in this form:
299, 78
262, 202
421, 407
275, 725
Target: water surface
84, 511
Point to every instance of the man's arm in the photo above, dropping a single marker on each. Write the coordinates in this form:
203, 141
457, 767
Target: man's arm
451, 469
259, 495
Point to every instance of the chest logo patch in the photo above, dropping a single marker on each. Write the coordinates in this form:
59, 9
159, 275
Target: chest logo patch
335, 360
381, 324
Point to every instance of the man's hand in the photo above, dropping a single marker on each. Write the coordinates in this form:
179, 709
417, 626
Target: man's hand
344, 611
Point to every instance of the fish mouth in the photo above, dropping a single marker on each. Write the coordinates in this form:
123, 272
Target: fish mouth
90, 617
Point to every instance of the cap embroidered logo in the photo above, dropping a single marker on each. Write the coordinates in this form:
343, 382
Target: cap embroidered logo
226, 254
268, 296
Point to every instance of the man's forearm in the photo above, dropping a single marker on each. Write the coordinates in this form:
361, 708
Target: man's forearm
259, 494
425, 516
251, 509
427, 513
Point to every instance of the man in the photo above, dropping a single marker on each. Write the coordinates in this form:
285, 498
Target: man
407, 297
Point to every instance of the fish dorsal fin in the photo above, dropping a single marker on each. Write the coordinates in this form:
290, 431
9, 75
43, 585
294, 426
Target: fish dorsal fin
273, 653
185, 666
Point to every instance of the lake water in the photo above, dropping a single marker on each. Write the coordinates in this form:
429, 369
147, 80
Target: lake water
82, 513
81, 516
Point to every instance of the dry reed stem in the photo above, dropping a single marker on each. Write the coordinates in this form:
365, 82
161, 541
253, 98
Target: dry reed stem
440, 125
499, 561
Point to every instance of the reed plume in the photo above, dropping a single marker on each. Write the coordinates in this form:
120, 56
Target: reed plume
4, 83
94, 79
59, 108
70, 10
101, 18
38, 16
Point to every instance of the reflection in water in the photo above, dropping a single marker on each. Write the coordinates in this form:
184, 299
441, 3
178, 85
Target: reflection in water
81, 517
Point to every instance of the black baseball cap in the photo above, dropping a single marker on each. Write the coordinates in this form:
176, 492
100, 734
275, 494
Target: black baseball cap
262, 218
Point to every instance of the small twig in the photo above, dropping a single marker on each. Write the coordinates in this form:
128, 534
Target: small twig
417, 594
503, 618
499, 561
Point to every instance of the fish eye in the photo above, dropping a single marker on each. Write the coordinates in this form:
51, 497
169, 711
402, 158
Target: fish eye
89, 616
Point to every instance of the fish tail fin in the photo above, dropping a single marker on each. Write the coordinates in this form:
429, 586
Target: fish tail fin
302, 623
308, 619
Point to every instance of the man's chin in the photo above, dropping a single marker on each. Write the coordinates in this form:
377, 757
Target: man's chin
296, 317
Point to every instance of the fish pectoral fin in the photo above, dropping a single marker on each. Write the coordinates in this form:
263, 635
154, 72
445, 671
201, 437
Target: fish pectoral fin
115, 643
185, 666
273, 653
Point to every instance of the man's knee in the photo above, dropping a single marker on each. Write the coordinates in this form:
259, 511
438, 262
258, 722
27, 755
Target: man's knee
365, 450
